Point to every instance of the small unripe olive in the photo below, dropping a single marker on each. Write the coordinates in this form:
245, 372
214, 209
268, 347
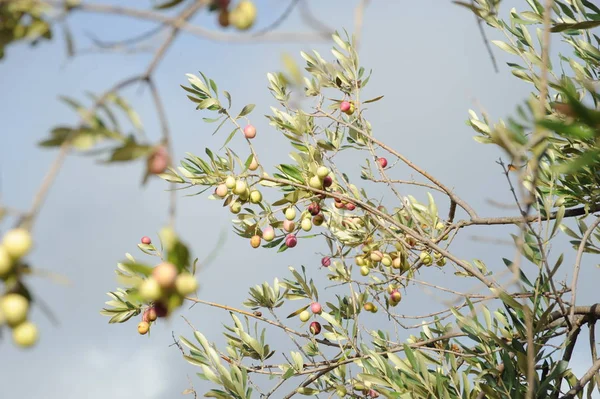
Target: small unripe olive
289, 226
221, 190
364, 270
306, 224
186, 284
304, 316
359, 387
255, 196
25, 334
230, 182
235, 207
150, 290
243, 15
17, 242
6, 262
255, 241
426, 258
341, 391
322, 171
165, 274
143, 327
376, 256
240, 187
315, 182
290, 213
386, 260
14, 307
253, 165
268, 234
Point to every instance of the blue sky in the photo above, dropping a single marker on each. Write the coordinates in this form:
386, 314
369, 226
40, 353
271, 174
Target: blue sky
427, 59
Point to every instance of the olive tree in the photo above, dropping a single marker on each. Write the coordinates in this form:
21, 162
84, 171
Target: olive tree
512, 336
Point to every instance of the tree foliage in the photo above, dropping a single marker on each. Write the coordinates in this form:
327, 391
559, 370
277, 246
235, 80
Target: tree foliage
512, 336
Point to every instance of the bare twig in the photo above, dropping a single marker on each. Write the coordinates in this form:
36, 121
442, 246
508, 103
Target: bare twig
168, 142
466, 207
124, 42
193, 29
579, 385
577, 266
486, 42
261, 318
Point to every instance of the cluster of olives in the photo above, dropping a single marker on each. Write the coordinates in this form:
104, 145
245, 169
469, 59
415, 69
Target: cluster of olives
305, 315
14, 307
165, 286
237, 192
312, 216
242, 16
240, 189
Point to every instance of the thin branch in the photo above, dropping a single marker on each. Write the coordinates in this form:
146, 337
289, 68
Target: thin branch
190, 28
176, 28
124, 42
409, 182
467, 208
162, 117
429, 243
486, 42
577, 266
252, 315
569, 213
591, 310
579, 385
